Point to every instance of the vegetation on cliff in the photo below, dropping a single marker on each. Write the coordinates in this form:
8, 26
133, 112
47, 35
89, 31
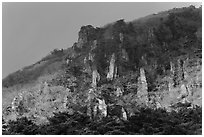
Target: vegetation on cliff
146, 74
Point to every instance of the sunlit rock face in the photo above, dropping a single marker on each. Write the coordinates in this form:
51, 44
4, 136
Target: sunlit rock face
14, 103
68, 61
112, 68
142, 92
91, 57
39, 103
22, 103
193, 80
178, 72
183, 93
183, 84
124, 114
95, 78
102, 107
171, 83
94, 45
96, 108
90, 66
119, 91
90, 100
95, 105
187, 76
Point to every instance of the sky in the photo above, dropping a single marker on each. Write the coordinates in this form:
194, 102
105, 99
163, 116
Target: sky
31, 30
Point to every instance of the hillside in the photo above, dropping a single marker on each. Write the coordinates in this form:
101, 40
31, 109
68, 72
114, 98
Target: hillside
117, 71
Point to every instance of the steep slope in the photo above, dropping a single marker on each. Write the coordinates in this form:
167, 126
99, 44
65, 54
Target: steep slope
113, 71
47, 65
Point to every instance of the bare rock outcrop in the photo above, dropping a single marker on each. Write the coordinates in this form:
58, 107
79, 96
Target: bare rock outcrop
112, 68
142, 92
86, 34
95, 78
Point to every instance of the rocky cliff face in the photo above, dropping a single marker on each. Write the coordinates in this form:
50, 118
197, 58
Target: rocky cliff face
142, 91
86, 34
112, 68
118, 68
183, 84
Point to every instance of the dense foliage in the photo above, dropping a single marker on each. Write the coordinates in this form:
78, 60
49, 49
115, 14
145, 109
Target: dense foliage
147, 121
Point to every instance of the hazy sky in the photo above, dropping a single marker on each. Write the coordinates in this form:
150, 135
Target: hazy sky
32, 30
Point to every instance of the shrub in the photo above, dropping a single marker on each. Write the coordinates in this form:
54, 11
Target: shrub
148, 121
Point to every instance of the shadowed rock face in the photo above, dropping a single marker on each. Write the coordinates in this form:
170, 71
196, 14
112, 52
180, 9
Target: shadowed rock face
86, 34
125, 55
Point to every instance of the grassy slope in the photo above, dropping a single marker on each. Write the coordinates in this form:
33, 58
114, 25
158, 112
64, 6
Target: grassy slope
32, 76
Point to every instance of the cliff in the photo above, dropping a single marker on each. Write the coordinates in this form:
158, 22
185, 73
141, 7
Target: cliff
115, 70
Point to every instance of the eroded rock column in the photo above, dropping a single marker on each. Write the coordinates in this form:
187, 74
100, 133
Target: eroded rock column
110, 74
95, 78
142, 92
